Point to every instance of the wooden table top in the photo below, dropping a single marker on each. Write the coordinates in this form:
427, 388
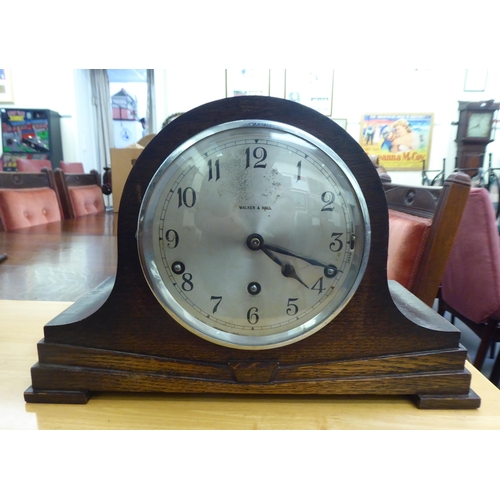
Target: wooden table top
59, 261
22, 327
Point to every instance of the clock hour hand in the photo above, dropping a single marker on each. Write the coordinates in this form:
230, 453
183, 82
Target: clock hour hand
287, 270
330, 270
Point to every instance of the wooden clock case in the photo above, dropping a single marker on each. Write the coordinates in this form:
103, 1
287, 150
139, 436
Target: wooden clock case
119, 338
471, 150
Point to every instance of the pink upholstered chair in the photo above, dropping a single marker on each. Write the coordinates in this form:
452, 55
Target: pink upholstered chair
25, 165
423, 222
470, 289
80, 194
27, 199
72, 167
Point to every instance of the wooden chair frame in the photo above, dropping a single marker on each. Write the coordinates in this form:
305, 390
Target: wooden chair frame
444, 205
64, 180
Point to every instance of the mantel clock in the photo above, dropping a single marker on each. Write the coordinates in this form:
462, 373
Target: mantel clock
252, 259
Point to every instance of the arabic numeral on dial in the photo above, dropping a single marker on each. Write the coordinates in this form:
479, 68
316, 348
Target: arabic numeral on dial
252, 316
187, 197
318, 286
327, 198
210, 170
218, 300
336, 245
299, 170
172, 237
292, 308
187, 284
260, 154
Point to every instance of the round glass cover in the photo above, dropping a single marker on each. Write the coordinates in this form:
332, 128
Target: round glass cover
253, 234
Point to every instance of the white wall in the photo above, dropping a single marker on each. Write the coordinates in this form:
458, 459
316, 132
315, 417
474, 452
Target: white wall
84, 144
437, 91
356, 92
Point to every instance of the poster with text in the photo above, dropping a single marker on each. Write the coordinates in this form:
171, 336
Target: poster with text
401, 141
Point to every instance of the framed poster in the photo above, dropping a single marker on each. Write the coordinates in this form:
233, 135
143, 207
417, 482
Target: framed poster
401, 141
6, 93
247, 82
313, 88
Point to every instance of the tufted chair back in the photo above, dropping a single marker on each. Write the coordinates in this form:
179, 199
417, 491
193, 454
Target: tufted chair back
80, 194
27, 199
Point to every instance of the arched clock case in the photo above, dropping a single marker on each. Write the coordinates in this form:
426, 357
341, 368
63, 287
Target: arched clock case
252, 259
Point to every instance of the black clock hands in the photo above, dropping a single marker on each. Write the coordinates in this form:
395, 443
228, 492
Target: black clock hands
256, 242
329, 269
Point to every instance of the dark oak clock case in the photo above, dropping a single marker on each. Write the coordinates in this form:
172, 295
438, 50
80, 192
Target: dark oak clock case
119, 338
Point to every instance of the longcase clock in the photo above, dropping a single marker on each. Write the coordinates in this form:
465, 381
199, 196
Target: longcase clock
476, 127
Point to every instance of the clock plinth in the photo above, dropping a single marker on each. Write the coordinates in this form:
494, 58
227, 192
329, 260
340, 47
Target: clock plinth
397, 355
383, 342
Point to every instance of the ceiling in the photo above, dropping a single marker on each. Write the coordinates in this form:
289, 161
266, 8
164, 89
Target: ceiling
127, 75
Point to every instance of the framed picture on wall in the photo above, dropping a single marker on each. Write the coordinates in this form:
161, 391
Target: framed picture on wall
313, 88
247, 82
401, 141
6, 93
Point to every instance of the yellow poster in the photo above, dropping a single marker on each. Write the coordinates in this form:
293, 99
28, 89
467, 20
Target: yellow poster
401, 141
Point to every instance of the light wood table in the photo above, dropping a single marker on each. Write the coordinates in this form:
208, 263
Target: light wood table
22, 327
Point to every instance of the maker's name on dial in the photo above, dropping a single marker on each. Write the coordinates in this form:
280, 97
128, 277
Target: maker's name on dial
255, 207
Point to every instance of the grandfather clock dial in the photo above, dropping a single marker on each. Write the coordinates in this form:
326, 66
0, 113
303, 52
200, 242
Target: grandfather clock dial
479, 125
253, 234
